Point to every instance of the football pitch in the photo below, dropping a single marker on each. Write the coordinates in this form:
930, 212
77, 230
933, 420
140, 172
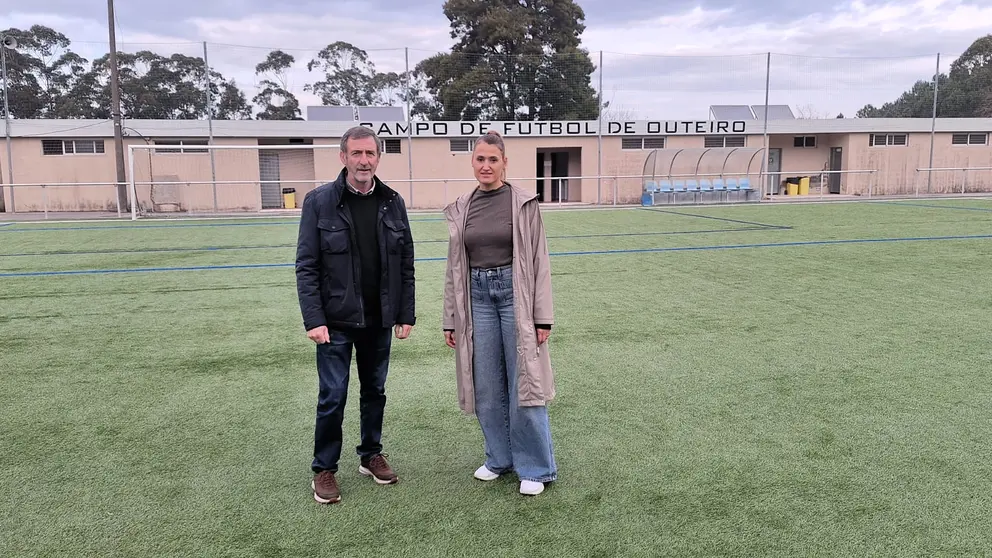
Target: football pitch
760, 380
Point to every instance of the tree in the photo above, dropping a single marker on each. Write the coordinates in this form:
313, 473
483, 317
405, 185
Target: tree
513, 60
172, 87
275, 85
965, 91
809, 112
350, 78
43, 74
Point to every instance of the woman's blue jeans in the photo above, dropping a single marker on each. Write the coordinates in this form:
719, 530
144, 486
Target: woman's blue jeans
516, 438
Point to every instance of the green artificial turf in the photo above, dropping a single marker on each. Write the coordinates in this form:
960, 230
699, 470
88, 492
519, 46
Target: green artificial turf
735, 392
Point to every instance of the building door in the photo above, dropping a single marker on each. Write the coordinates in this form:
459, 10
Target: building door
268, 176
836, 164
774, 169
559, 169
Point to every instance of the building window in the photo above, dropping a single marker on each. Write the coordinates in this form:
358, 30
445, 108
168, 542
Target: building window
461, 145
70, 147
182, 146
804, 141
876, 140
970, 139
724, 141
392, 145
649, 142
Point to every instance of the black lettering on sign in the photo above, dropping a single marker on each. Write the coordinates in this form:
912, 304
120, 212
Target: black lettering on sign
402, 129
468, 129
700, 127
738, 126
671, 127
440, 128
421, 127
589, 129
654, 127
556, 128
721, 126
613, 128
524, 129
506, 128
628, 128
573, 128
483, 127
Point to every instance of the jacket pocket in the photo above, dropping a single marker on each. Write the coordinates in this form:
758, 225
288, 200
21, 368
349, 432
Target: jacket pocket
335, 237
395, 236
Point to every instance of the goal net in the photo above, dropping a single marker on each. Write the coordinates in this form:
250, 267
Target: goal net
189, 177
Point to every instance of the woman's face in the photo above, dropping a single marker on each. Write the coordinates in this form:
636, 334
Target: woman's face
488, 164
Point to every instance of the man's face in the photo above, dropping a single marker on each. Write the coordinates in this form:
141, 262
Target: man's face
361, 159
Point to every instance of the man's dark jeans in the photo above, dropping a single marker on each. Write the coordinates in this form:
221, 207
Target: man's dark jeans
333, 370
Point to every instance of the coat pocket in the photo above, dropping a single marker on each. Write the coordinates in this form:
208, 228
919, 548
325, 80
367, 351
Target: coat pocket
335, 237
395, 236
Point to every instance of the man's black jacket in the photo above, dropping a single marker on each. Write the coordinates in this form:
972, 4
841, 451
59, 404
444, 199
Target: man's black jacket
328, 273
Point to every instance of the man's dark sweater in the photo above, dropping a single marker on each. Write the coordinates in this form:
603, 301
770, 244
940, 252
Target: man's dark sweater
364, 214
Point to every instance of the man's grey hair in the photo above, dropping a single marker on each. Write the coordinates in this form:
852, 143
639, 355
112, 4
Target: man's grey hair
359, 132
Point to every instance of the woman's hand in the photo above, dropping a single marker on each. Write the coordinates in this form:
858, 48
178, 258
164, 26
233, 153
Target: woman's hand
449, 338
542, 335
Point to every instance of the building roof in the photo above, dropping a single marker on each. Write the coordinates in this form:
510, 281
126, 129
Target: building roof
152, 129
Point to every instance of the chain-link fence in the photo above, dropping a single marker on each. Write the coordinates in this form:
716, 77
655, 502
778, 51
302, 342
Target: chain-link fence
211, 81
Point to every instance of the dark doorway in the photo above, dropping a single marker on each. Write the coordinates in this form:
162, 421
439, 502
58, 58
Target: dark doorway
552, 170
836, 164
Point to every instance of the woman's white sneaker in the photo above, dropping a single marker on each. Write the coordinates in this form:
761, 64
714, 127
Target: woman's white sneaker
484, 474
531, 488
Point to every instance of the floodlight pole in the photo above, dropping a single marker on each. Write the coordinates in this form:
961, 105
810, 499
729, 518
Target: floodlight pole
764, 159
933, 121
115, 107
6, 118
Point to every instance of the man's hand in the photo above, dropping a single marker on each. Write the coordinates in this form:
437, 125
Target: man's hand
542, 335
319, 335
402, 331
449, 338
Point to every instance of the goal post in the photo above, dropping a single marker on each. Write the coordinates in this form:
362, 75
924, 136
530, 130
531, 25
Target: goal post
188, 177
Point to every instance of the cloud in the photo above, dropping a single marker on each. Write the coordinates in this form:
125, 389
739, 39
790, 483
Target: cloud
670, 60
837, 62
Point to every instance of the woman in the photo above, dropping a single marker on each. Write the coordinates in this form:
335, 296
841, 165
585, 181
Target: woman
498, 315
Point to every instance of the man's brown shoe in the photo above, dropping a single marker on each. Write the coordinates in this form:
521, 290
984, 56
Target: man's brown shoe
378, 469
325, 488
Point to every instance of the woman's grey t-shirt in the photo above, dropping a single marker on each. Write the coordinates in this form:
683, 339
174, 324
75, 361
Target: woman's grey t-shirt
489, 228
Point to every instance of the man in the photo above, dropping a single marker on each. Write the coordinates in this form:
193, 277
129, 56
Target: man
355, 281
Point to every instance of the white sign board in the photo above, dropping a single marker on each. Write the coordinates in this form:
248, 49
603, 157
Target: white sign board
559, 128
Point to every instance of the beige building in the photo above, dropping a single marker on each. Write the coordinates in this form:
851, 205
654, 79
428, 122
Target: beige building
70, 165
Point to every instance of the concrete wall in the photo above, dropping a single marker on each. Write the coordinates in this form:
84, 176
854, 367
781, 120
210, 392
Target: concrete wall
439, 173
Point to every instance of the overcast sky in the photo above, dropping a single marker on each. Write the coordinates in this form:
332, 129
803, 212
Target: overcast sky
662, 60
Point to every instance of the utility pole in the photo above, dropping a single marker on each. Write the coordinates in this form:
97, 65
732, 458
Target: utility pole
115, 109
7, 43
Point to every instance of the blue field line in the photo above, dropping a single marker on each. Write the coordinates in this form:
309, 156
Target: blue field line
6, 224
176, 225
718, 218
934, 206
553, 254
272, 246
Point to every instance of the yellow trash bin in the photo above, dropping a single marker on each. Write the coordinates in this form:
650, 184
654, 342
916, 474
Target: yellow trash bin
289, 198
792, 188
804, 186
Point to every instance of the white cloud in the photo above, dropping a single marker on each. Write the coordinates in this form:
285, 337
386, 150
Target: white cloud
672, 66
713, 58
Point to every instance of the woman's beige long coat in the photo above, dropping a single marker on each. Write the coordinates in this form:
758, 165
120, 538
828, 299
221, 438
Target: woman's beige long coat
531, 295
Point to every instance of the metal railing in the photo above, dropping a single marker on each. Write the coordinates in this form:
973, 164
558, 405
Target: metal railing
45, 186
963, 170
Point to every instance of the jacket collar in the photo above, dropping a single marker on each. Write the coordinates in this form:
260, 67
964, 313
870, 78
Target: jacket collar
379, 187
